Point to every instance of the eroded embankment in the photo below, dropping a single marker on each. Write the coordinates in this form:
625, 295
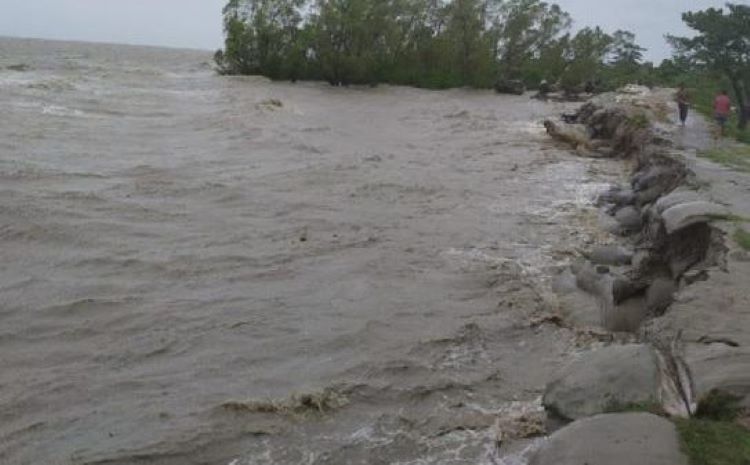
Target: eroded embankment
665, 221
669, 242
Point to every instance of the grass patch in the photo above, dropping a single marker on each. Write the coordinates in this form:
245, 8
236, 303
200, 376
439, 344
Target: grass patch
735, 157
708, 442
742, 238
712, 437
646, 407
730, 217
718, 406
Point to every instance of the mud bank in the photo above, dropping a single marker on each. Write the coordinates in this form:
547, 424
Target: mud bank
672, 283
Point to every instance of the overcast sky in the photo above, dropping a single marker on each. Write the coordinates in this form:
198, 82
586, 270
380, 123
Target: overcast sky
197, 23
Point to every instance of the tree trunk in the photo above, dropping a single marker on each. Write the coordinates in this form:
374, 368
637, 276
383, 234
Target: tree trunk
740, 96
745, 106
741, 104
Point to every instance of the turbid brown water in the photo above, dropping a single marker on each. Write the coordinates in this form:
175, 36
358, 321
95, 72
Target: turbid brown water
182, 257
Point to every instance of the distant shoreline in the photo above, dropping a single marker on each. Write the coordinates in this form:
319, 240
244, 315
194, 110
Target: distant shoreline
86, 42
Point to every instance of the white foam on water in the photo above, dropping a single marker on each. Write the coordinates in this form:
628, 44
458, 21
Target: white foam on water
586, 193
14, 79
579, 196
522, 457
528, 127
477, 259
58, 110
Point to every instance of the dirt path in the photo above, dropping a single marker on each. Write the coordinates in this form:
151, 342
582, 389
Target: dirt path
727, 185
714, 315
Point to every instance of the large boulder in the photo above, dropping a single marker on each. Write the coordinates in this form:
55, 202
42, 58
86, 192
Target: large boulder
629, 219
576, 135
617, 439
575, 305
650, 195
650, 177
716, 364
599, 296
658, 179
610, 255
687, 214
605, 380
676, 198
588, 278
711, 319
626, 316
618, 196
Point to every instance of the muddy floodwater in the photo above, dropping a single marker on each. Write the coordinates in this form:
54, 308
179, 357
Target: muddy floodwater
198, 269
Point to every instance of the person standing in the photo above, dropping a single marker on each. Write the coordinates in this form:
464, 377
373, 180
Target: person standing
683, 102
722, 110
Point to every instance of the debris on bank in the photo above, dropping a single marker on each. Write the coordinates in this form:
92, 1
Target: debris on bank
298, 404
271, 104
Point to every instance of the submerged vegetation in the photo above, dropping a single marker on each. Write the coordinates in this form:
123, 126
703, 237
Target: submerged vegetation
298, 404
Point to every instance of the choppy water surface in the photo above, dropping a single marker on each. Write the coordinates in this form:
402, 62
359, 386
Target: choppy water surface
183, 260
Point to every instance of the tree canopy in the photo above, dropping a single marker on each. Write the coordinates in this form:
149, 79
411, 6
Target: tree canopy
426, 43
722, 45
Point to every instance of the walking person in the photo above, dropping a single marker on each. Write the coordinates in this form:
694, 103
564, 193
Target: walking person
722, 110
683, 102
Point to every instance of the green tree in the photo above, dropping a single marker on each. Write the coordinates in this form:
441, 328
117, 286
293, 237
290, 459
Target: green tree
625, 64
465, 40
586, 55
427, 43
260, 35
528, 30
350, 39
549, 64
722, 44
624, 50
237, 58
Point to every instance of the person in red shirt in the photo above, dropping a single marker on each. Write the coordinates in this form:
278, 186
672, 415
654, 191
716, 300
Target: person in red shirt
722, 110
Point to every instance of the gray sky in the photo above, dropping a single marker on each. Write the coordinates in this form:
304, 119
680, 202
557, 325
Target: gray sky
176, 23
649, 19
197, 23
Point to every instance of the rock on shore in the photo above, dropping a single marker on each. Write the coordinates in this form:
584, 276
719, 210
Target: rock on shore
660, 212
682, 290
712, 319
617, 378
604, 380
616, 439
